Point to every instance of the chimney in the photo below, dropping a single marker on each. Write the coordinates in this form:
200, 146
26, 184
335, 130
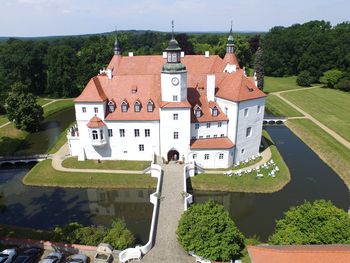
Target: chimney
182, 54
131, 54
206, 54
210, 87
109, 73
164, 54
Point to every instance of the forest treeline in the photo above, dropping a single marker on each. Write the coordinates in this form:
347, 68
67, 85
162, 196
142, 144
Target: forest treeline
62, 67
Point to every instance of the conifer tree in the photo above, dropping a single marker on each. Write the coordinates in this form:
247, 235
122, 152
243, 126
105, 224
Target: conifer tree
259, 68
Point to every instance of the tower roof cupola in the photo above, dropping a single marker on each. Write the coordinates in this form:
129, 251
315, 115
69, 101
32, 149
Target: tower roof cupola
173, 55
230, 46
117, 49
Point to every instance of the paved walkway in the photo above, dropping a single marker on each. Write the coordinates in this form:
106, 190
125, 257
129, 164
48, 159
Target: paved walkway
166, 247
63, 153
335, 135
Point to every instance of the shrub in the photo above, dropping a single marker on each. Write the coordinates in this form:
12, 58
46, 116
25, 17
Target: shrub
304, 79
343, 84
118, 236
313, 223
208, 231
331, 77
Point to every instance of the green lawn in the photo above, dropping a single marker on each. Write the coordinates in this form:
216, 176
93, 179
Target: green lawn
273, 84
246, 182
57, 106
326, 147
329, 106
11, 139
42, 101
277, 107
72, 162
3, 119
43, 174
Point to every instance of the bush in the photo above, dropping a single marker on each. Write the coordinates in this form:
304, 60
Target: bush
312, 223
208, 231
118, 236
331, 77
304, 79
343, 84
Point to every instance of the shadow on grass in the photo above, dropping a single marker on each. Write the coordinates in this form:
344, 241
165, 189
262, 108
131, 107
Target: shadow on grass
10, 145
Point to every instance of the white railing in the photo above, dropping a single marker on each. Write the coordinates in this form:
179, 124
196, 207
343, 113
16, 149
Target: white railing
129, 253
188, 198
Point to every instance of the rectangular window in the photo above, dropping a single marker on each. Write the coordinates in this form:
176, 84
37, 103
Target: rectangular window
176, 135
219, 124
174, 97
215, 136
110, 133
208, 136
242, 151
222, 135
175, 116
137, 132
101, 134
141, 147
206, 156
124, 108
208, 124
194, 156
221, 156
122, 132
200, 137
259, 109
94, 135
147, 132
196, 126
249, 132
95, 109
83, 109
246, 112
193, 137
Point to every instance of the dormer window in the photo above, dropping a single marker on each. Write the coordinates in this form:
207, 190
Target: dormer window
137, 106
111, 106
198, 111
214, 111
150, 106
124, 106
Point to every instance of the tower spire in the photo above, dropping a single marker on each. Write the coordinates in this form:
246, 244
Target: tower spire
172, 30
230, 46
117, 49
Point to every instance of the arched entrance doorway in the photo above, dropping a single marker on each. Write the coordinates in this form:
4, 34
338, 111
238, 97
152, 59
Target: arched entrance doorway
173, 155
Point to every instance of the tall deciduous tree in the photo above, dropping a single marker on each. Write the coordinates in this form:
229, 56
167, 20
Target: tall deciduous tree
208, 231
259, 68
312, 223
22, 108
61, 64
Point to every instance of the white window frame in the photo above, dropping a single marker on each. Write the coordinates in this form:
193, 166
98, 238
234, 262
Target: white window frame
141, 147
137, 132
194, 156
147, 133
150, 106
196, 126
249, 132
83, 109
94, 134
221, 156
208, 124
176, 135
96, 109
122, 132
175, 98
219, 124
110, 133
137, 106
206, 156
175, 116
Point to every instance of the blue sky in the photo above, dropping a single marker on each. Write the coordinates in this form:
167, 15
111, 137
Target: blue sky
66, 17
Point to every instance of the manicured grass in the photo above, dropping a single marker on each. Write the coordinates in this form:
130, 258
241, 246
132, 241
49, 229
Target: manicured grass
278, 107
61, 140
43, 174
326, 147
246, 182
329, 106
274, 84
42, 101
11, 139
3, 119
241, 166
23, 232
73, 162
57, 106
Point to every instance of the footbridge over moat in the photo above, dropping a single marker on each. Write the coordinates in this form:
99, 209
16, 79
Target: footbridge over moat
274, 120
27, 159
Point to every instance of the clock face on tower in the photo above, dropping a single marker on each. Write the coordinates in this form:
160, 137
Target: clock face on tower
175, 81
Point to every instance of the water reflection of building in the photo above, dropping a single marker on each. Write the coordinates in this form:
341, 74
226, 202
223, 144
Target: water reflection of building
128, 203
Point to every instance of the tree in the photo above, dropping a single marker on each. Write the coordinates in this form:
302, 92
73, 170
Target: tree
208, 231
118, 236
304, 79
61, 64
343, 84
319, 222
331, 77
22, 108
259, 68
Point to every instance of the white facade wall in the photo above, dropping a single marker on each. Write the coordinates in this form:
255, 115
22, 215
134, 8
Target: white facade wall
214, 160
90, 112
230, 108
249, 146
169, 89
123, 148
167, 128
203, 131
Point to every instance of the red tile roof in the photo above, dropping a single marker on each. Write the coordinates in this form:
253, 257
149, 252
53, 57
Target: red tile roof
95, 122
212, 143
138, 78
300, 254
180, 104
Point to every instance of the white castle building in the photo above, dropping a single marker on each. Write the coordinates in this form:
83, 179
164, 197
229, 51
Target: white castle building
199, 108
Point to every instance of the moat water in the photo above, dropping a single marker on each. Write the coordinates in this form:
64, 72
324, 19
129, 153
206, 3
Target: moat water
312, 179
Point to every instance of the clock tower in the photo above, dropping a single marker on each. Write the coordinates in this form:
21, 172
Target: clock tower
174, 74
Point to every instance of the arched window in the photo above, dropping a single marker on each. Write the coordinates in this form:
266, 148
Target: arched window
94, 135
150, 106
197, 111
137, 106
124, 106
111, 106
214, 111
